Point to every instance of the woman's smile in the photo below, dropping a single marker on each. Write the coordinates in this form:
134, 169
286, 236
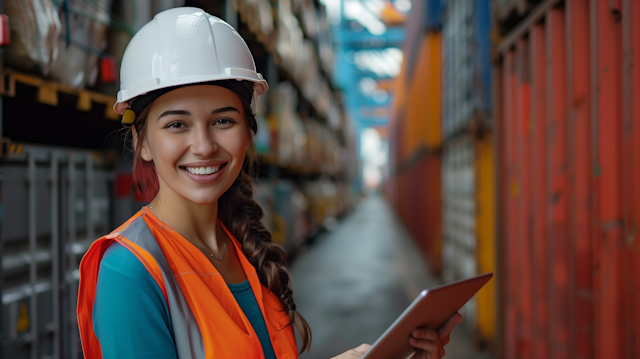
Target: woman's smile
203, 174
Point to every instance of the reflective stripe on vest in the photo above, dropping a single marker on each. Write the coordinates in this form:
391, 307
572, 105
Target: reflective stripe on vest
207, 306
185, 327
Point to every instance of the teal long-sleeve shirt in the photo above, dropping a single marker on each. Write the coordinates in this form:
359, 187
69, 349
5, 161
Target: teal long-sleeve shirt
131, 318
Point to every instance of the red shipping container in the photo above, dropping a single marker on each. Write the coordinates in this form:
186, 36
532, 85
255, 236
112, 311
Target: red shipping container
581, 189
510, 223
422, 214
631, 169
540, 245
557, 196
579, 170
607, 126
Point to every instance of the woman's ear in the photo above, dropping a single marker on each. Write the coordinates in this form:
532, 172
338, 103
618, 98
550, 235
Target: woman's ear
248, 139
134, 138
247, 142
145, 154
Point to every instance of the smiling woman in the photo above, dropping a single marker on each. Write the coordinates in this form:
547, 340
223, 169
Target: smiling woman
194, 274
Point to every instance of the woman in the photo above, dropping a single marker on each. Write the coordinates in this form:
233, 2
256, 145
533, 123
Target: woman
194, 274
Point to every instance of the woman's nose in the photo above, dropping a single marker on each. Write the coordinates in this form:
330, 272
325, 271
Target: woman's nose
203, 142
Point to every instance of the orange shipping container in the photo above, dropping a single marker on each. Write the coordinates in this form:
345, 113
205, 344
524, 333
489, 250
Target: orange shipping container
422, 120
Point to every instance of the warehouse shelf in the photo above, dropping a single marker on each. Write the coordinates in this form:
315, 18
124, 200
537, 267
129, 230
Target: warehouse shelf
48, 92
295, 171
16, 261
268, 42
323, 71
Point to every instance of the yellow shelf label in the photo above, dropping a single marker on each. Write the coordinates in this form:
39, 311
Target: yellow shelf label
23, 323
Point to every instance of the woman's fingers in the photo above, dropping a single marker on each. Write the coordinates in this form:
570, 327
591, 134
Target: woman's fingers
444, 341
428, 341
430, 348
354, 353
426, 334
448, 326
432, 342
362, 348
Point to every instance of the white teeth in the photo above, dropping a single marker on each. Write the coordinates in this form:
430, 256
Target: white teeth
203, 170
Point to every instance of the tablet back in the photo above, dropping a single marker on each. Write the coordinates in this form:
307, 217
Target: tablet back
430, 309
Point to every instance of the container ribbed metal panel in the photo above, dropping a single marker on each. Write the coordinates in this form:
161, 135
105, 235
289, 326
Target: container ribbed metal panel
466, 62
459, 244
55, 202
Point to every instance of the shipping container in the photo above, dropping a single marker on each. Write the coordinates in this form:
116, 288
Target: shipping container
422, 116
567, 124
468, 222
414, 193
459, 243
509, 12
56, 202
485, 205
466, 89
414, 183
468, 201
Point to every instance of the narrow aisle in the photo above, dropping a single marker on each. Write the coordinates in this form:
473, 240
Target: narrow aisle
355, 281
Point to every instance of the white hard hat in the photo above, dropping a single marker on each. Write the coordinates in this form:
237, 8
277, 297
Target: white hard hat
184, 46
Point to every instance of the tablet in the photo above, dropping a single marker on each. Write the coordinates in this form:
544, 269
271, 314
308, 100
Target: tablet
431, 309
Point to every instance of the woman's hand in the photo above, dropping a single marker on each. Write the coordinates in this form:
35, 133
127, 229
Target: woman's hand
429, 343
354, 353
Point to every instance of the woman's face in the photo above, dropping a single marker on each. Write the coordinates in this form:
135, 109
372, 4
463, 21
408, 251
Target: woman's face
196, 136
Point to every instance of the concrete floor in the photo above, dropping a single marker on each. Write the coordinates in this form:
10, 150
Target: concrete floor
356, 279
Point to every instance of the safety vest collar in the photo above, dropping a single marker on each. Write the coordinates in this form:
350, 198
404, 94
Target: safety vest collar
272, 309
247, 267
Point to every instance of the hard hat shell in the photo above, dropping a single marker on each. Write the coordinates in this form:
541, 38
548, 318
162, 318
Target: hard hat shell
183, 46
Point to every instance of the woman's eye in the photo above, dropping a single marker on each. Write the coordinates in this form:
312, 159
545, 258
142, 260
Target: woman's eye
175, 125
224, 121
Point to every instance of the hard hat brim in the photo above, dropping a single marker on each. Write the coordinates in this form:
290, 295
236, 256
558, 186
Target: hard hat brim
260, 87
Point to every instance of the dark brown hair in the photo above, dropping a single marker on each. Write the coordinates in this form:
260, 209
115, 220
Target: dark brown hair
241, 214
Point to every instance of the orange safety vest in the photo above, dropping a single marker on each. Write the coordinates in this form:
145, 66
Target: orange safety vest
207, 321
